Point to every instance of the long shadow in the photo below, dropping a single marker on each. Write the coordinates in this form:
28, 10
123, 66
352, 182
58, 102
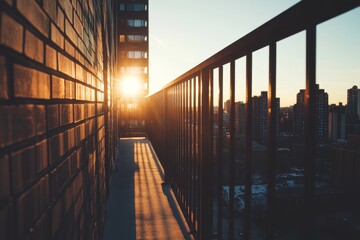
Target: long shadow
120, 222
170, 197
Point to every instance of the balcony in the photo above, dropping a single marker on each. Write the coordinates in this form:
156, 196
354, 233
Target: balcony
191, 161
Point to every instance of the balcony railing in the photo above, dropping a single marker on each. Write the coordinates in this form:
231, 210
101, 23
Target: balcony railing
180, 125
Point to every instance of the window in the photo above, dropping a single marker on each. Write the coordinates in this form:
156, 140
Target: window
133, 70
136, 38
122, 7
122, 38
138, 7
137, 54
137, 23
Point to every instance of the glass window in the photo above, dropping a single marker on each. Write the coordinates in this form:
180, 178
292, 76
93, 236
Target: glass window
133, 70
136, 38
136, 7
122, 7
137, 23
137, 54
122, 38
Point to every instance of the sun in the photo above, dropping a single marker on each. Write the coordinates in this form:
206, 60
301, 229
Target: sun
130, 87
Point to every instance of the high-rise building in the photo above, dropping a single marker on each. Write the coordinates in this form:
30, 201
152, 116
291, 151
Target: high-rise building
322, 109
353, 103
133, 44
337, 122
260, 117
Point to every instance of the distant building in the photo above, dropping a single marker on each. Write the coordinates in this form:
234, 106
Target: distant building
322, 110
240, 118
260, 117
353, 111
353, 103
133, 42
337, 122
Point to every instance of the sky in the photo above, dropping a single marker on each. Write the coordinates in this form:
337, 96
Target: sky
184, 33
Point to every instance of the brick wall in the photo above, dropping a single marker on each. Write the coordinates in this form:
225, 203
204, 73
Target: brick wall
55, 128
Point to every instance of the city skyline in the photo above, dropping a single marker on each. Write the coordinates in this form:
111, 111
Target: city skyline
173, 54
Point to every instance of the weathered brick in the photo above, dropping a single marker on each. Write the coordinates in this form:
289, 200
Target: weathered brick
58, 87
69, 48
4, 177
80, 92
56, 147
69, 90
60, 19
36, 16
52, 117
50, 8
79, 112
79, 133
34, 48
79, 72
31, 83
31, 205
56, 36
23, 167
66, 114
51, 57
66, 65
20, 122
70, 32
3, 79
41, 156
68, 8
11, 34
78, 26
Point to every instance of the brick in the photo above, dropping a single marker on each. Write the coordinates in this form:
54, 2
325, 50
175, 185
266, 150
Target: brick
67, 7
66, 65
69, 48
31, 205
42, 229
20, 122
3, 79
50, 8
80, 92
79, 73
23, 167
69, 139
36, 16
4, 177
70, 32
79, 133
60, 19
31, 83
56, 147
11, 34
51, 57
34, 48
57, 215
79, 112
58, 87
52, 116
69, 90
66, 114
56, 36
41, 156
10, 2
78, 26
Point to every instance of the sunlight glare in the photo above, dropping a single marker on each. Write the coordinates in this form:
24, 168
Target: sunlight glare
130, 87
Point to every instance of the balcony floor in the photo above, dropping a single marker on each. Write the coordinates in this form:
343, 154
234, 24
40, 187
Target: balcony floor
139, 207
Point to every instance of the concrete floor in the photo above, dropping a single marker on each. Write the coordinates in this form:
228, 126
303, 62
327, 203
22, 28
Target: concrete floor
139, 207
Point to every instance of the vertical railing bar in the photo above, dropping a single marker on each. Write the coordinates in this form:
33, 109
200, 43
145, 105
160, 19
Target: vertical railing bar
199, 116
248, 147
272, 141
219, 155
211, 147
205, 183
194, 157
186, 156
310, 130
232, 150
